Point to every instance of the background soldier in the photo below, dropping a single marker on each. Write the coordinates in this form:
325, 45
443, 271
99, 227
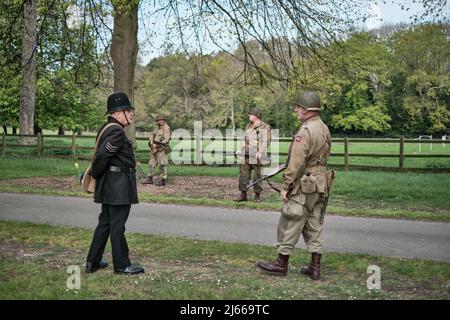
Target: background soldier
304, 190
113, 168
253, 147
159, 150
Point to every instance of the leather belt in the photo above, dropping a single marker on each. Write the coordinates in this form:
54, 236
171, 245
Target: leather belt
122, 170
315, 169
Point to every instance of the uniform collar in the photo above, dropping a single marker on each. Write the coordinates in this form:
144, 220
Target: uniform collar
254, 126
311, 119
114, 120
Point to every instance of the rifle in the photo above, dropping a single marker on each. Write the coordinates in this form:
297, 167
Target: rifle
159, 146
271, 174
330, 175
162, 144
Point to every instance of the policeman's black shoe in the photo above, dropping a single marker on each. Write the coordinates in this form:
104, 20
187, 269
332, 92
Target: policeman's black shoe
92, 267
130, 270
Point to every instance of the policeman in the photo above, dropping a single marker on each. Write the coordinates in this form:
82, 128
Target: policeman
159, 147
113, 168
304, 190
253, 148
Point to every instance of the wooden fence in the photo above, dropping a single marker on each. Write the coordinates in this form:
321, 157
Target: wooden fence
198, 151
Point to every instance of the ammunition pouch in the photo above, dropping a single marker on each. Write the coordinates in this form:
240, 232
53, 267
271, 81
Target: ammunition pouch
308, 183
314, 180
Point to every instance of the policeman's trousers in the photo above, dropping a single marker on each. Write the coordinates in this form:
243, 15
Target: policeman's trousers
111, 223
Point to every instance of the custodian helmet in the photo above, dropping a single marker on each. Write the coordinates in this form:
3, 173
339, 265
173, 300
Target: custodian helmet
118, 101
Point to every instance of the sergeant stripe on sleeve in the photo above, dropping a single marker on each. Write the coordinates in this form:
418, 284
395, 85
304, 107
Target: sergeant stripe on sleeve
110, 147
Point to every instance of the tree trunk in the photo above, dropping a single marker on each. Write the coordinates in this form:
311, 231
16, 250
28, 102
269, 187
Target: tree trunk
233, 125
28, 89
36, 129
124, 48
5, 129
61, 131
14, 130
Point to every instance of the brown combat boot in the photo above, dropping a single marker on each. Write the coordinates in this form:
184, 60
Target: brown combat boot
257, 196
313, 270
161, 183
148, 180
278, 267
242, 197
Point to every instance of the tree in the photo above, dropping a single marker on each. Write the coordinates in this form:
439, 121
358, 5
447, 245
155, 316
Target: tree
124, 49
422, 80
28, 88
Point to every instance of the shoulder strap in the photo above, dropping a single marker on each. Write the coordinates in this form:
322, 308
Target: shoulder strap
100, 135
322, 148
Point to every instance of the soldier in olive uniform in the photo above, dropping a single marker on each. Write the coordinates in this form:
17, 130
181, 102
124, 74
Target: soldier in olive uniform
113, 168
159, 150
253, 148
304, 190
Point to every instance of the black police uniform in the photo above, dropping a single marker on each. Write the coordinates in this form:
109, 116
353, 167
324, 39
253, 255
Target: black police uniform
114, 170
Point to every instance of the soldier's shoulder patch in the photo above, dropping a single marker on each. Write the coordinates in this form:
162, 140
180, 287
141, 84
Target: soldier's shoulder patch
298, 138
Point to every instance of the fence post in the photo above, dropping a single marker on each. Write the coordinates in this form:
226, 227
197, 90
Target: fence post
4, 144
38, 146
346, 154
42, 145
198, 150
73, 145
402, 154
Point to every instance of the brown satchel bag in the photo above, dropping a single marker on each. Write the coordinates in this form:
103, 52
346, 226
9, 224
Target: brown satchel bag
87, 181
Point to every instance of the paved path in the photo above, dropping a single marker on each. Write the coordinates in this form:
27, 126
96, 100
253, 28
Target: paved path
385, 237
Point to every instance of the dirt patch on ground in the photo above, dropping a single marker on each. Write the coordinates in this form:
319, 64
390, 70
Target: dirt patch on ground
18, 251
61, 183
220, 188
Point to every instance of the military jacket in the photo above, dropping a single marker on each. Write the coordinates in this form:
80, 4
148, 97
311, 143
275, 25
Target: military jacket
161, 134
309, 150
256, 139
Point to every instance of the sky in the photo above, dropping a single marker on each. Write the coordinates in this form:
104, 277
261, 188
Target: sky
383, 12
391, 13
152, 44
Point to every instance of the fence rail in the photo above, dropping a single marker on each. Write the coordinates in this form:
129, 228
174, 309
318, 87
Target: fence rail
198, 151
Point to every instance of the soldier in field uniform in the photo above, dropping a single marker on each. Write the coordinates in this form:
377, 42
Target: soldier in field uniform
159, 150
305, 189
113, 168
253, 149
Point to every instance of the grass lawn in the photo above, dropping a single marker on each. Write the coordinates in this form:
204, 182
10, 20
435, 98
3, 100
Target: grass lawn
378, 194
34, 260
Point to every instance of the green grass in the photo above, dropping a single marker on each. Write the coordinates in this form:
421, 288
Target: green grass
34, 259
373, 194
